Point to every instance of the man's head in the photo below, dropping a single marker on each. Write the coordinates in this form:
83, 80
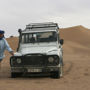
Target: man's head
1, 33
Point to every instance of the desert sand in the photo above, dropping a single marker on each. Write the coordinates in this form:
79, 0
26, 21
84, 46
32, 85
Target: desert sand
76, 65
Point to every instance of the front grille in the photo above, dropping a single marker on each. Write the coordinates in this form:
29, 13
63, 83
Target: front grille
34, 60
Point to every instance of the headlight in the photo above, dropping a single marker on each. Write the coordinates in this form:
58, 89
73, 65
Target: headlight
56, 59
19, 60
51, 59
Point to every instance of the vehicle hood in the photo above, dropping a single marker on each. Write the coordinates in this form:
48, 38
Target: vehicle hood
49, 50
43, 50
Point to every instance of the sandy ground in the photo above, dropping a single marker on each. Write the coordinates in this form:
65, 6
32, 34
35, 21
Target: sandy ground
76, 71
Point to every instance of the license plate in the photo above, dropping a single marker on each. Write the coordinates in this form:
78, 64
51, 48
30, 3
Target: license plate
34, 70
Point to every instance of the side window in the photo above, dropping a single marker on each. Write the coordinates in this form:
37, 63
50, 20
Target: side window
22, 38
25, 38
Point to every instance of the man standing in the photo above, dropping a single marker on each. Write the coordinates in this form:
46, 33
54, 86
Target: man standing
4, 46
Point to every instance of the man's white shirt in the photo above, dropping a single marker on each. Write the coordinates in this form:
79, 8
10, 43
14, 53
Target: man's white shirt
4, 46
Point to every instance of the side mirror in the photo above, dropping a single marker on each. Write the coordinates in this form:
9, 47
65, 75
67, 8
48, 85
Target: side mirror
61, 41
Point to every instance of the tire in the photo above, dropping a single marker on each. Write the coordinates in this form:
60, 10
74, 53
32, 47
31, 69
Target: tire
14, 75
55, 74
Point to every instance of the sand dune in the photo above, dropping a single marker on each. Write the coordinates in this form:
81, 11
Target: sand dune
77, 34
13, 42
76, 38
76, 65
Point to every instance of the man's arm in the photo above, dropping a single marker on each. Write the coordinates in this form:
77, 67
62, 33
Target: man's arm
8, 48
12, 53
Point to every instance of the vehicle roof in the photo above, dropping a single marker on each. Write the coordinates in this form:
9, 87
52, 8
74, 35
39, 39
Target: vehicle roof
39, 30
41, 27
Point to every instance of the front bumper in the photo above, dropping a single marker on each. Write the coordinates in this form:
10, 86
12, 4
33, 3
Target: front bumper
34, 69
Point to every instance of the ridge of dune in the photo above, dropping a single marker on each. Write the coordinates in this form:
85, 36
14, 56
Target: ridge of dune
78, 34
77, 27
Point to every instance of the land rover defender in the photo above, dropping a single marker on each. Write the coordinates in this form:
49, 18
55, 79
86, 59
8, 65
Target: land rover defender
39, 51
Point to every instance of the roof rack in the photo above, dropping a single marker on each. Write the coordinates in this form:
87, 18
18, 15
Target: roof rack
41, 25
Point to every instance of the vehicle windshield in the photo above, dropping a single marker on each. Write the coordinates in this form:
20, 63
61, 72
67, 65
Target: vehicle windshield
37, 37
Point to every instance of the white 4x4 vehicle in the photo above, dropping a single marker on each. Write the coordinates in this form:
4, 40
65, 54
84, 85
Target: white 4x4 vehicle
39, 51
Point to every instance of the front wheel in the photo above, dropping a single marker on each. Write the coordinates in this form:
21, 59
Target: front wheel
14, 75
57, 74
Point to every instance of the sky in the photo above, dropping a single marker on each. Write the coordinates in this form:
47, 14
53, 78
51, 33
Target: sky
15, 14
